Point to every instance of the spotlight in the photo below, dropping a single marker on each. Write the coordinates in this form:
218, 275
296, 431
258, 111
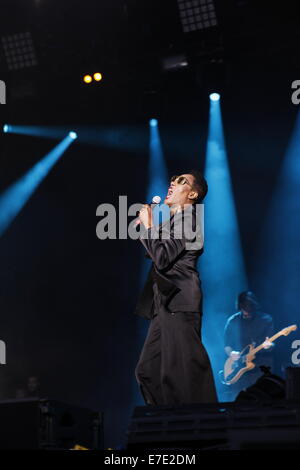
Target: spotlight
97, 77
153, 122
197, 15
19, 51
73, 135
87, 79
5, 128
214, 96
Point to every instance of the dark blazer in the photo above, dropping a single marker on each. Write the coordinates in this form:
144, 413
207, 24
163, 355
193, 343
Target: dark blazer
174, 248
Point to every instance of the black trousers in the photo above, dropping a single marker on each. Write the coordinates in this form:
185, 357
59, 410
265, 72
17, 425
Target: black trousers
174, 367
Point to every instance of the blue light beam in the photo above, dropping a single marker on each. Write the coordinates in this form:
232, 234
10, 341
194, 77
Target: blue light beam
157, 173
15, 197
222, 265
157, 185
277, 270
56, 133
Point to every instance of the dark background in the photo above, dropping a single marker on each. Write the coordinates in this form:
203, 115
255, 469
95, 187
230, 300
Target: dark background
67, 298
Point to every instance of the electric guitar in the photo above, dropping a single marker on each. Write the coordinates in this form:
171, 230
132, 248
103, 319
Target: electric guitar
234, 369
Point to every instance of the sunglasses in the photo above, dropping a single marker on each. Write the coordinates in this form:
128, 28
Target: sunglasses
180, 180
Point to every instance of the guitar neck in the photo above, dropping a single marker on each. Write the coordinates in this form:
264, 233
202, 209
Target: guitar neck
273, 338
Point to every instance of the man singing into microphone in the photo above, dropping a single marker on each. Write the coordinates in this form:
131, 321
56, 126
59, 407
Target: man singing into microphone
174, 367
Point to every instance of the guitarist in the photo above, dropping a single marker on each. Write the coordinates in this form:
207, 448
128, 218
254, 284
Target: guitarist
248, 326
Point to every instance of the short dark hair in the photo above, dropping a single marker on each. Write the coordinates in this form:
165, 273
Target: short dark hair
200, 184
247, 301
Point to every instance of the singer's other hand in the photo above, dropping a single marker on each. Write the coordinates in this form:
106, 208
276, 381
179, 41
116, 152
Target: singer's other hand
145, 216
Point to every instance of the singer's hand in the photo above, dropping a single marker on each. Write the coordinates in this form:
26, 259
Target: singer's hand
145, 216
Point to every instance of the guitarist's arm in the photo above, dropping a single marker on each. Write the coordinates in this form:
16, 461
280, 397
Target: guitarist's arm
268, 333
235, 355
228, 339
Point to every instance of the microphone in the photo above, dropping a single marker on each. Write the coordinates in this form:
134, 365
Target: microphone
155, 200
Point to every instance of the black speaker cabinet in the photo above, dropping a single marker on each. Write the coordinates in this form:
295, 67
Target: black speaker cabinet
48, 424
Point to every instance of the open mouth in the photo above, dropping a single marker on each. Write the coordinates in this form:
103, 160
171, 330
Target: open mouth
170, 192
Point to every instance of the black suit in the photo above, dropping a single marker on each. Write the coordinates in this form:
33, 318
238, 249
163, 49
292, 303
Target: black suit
174, 366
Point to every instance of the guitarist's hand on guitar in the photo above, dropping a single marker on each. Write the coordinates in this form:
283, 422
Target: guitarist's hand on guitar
230, 373
267, 344
235, 355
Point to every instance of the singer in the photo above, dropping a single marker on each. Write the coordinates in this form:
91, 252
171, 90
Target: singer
174, 367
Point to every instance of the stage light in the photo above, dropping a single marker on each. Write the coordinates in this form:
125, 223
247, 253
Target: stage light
73, 135
87, 79
97, 77
196, 15
153, 122
5, 128
19, 51
214, 96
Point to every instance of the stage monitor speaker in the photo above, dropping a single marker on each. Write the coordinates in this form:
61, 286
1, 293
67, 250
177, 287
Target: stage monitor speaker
218, 426
48, 424
268, 387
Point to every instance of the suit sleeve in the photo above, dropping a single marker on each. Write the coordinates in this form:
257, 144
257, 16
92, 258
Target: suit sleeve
163, 252
165, 245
